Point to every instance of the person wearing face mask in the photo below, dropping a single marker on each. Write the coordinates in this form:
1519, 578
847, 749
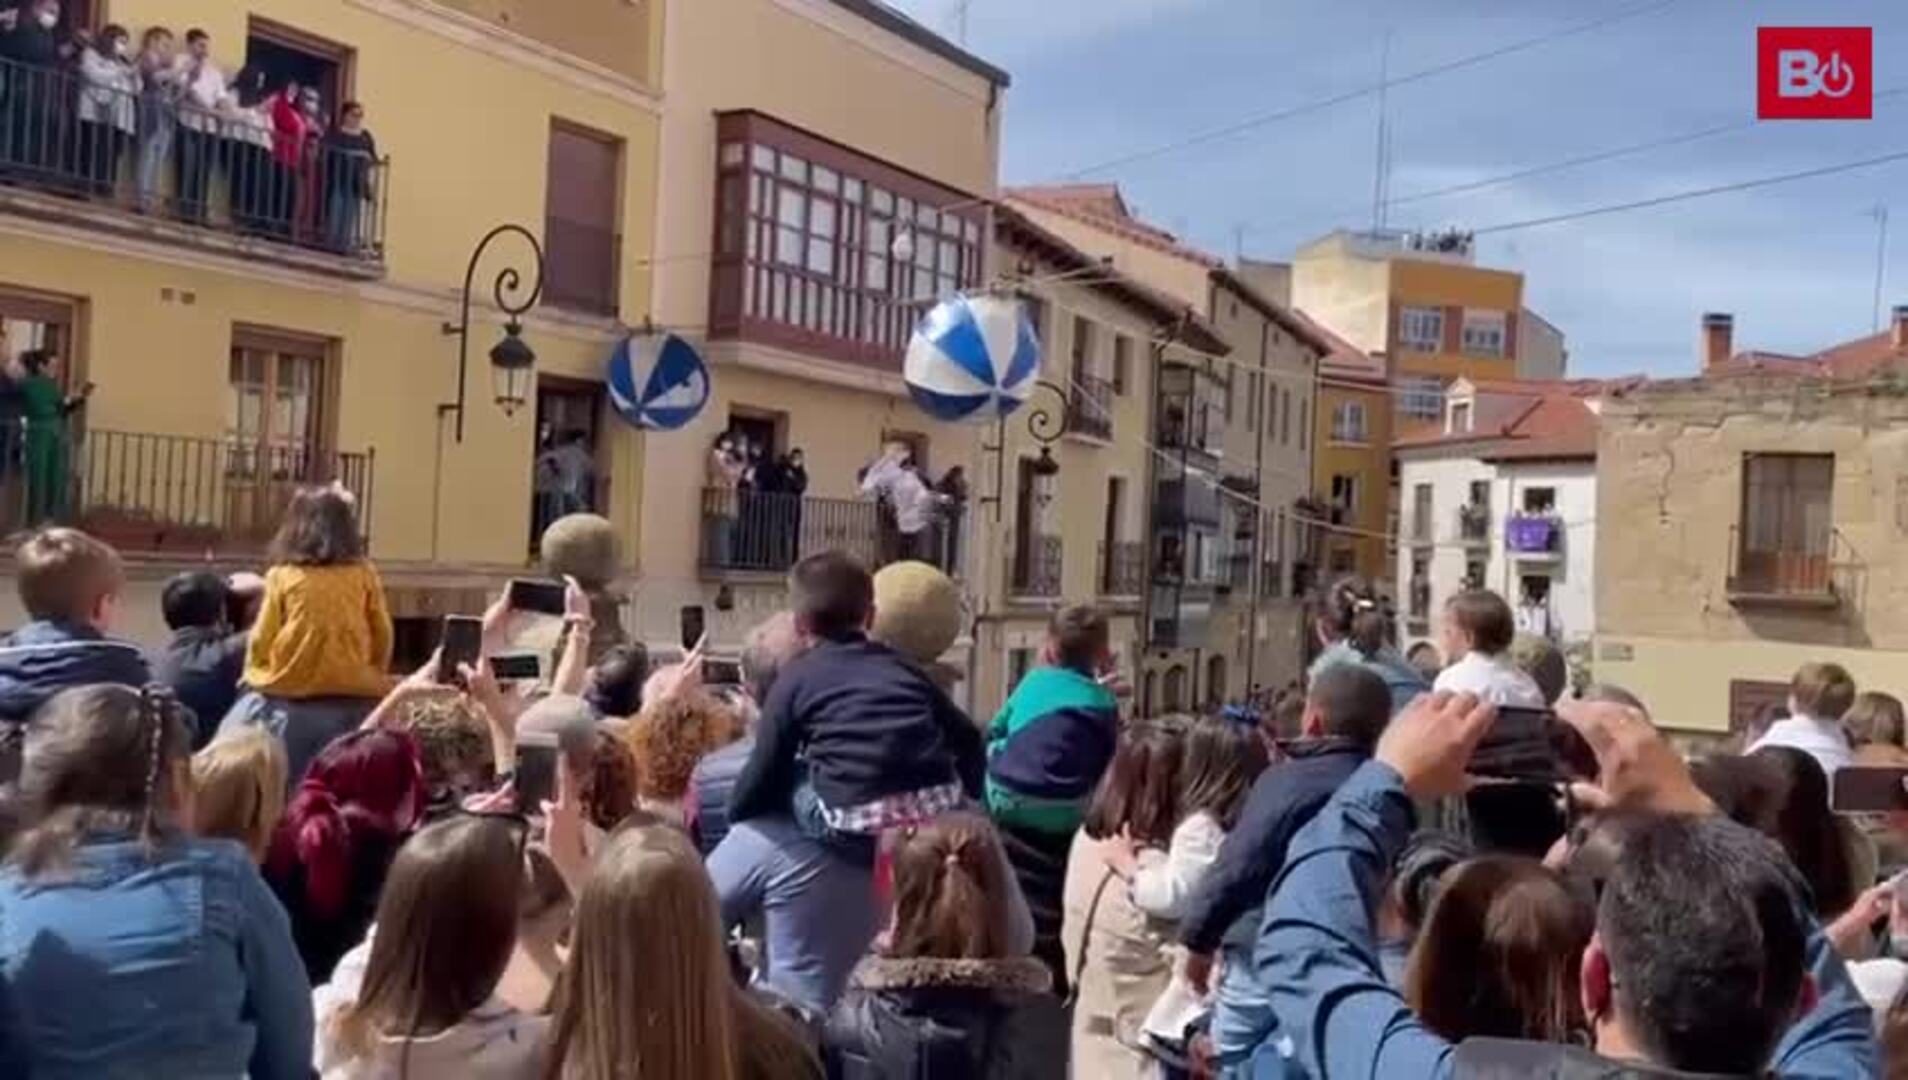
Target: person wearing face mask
108, 107
31, 87
793, 476
289, 130
350, 157
310, 190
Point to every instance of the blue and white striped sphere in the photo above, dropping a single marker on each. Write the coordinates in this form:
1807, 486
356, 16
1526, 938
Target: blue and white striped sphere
973, 358
658, 383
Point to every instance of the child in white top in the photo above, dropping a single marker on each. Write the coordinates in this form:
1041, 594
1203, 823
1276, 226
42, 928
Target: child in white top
1478, 628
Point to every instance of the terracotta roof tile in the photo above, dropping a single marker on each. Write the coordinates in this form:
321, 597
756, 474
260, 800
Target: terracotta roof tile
1533, 420
1100, 205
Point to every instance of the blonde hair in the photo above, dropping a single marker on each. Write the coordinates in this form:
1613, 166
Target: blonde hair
238, 789
647, 990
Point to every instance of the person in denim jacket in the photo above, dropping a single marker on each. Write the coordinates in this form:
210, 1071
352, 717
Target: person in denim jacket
132, 949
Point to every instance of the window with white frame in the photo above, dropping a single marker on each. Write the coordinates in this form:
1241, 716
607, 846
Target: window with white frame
1483, 333
1421, 328
1348, 422
1421, 397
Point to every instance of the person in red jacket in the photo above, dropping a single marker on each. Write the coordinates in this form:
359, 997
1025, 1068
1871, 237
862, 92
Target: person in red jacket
289, 141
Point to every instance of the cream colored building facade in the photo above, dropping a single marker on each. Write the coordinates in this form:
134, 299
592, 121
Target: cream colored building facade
1229, 555
1078, 533
799, 139
237, 355
1745, 526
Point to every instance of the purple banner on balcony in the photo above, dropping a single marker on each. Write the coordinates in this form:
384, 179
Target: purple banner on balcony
1530, 534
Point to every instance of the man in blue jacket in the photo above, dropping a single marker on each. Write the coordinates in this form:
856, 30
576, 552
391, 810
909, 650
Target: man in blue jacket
1704, 960
1345, 713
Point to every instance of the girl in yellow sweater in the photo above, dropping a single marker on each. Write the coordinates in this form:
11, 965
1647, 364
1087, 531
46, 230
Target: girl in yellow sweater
320, 652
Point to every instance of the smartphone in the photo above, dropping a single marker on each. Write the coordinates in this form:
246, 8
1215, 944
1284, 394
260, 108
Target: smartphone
1868, 789
1533, 744
537, 760
542, 597
463, 643
692, 627
517, 665
722, 672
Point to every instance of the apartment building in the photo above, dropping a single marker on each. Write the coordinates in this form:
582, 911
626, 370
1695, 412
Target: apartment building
1232, 463
1066, 502
1501, 494
1752, 519
249, 329
826, 171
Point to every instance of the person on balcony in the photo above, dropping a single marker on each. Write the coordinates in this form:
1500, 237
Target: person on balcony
310, 193
45, 410
161, 88
108, 108
896, 479
290, 137
204, 87
32, 87
245, 115
725, 468
350, 157
322, 645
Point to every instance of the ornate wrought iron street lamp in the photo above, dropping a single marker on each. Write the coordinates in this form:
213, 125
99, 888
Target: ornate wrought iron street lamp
511, 359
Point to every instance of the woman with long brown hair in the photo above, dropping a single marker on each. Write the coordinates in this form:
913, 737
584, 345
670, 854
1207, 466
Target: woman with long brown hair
948, 997
1498, 954
1115, 954
418, 998
647, 990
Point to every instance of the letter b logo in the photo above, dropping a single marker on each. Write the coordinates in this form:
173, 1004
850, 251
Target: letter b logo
1815, 73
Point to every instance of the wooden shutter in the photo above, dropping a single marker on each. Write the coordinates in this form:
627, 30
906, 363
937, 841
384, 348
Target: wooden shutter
581, 244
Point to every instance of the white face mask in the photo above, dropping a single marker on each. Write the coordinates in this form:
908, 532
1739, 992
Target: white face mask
121, 49
50, 19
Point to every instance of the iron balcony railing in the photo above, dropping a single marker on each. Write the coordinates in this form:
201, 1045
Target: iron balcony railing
769, 532
1474, 524
1789, 573
1122, 568
1037, 567
226, 169
151, 493
1090, 407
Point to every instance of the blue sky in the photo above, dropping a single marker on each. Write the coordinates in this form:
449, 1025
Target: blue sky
1095, 80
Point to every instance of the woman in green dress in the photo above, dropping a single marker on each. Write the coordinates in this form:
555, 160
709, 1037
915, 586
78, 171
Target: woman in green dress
44, 410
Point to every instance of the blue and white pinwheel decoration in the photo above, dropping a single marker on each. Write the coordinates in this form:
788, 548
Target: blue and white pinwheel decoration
657, 382
973, 358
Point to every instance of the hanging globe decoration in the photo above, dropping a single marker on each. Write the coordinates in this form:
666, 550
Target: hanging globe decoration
972, 358
657, 382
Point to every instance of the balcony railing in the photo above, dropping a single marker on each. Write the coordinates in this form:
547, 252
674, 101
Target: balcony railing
1037, 568
224, 170
1122, 568
1788, 576
768, 532
157, 494
1090, 407
1534, 536
1474, 524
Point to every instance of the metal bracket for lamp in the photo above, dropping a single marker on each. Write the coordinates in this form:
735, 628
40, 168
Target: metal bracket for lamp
511, 357
1044, 427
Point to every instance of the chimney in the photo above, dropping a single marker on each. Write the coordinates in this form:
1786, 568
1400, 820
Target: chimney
1719, 333
1899, 327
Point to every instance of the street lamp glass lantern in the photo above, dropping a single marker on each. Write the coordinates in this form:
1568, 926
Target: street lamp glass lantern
511, 361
